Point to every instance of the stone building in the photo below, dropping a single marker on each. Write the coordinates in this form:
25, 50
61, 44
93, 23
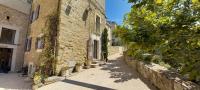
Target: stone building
109, 28
79, 27
14, 19
113, 41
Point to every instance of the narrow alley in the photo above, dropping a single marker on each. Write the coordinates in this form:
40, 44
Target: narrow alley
115, 75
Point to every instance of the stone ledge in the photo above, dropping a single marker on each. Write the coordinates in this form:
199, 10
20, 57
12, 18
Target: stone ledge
160, 76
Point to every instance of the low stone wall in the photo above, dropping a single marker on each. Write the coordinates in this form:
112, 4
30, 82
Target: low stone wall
113, 50
160, 76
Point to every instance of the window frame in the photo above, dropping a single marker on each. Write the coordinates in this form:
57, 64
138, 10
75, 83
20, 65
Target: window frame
35, 13
40, 42
97, 31
28, 44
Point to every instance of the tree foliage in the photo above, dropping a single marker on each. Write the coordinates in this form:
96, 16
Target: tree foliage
104, 46
168, 28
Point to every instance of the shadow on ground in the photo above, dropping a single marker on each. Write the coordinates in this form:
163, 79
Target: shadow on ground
122, 72
87, 85
119, 70
12, 81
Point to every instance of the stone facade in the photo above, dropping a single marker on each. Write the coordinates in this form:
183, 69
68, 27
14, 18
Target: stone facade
36, 28
113, 40
109, 28
74, 33
15, 19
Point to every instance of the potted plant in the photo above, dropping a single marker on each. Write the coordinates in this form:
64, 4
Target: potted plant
37, 78
87, 64
64, 71
78, 66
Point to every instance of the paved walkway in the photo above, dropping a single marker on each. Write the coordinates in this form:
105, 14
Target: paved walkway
115, 75
13, 81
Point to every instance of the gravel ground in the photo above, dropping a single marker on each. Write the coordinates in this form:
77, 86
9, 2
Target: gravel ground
13, 81
115, 75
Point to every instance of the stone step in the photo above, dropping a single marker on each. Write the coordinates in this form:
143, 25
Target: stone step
94, 65
95, 62
86, 67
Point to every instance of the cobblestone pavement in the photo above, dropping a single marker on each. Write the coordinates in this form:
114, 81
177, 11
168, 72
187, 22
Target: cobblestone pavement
114, 75
13, 81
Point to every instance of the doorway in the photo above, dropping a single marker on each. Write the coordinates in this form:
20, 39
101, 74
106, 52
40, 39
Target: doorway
95, 49
5, 59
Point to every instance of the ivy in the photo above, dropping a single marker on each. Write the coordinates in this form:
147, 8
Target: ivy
47, 58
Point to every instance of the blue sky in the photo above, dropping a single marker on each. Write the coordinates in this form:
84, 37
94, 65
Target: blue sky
116, 9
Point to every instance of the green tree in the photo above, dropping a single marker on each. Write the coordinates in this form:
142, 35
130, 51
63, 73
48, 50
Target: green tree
104, 46
168, 28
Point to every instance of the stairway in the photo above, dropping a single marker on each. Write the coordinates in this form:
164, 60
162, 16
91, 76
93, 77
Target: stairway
95, 64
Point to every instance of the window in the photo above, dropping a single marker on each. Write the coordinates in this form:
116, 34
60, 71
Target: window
68, 10
37, 11
35, 14
7, 36
97, 24
85, 15
28, 44
31, 16
39, 43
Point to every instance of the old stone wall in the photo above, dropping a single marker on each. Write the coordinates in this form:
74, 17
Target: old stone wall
160, 76
113, 49
17, 21
73, 33
37, 26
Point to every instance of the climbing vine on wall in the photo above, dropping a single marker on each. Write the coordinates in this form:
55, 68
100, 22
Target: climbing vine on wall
47, 58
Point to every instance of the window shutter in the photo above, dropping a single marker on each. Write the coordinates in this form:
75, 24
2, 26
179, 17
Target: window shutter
42, 43
34, 16
85, 15
37, 11
36, 43
31, 17
39, 43
98, 24
28, 44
